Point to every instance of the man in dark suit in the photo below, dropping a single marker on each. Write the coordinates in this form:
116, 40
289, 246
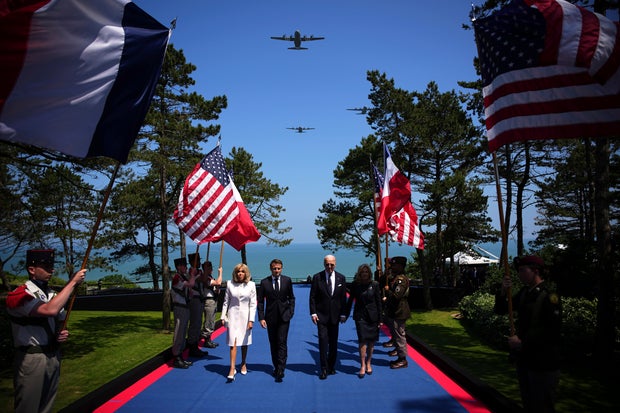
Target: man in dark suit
276, 291
328, 307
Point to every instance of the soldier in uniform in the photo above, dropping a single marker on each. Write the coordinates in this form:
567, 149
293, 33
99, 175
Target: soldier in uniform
196, 304
535, 346
36, 313
397, 310
211, 288
182, 285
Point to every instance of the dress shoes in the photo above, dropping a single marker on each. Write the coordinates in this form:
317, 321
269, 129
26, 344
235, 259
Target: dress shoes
323, 375
196, 352
388, 344
210, 344
332, 372
399, 364
393, 353
179, 363
279, 375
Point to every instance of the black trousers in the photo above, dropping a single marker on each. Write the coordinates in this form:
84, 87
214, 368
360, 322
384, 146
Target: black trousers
328, 344
278, 344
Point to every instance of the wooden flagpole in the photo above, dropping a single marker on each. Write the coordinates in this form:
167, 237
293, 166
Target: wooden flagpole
106, 196
504, 232
221, 254
374, 208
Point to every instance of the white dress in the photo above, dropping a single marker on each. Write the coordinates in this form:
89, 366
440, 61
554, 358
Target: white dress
238, 309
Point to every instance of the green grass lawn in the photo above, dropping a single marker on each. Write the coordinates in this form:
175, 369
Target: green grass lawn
580, 388
104, 345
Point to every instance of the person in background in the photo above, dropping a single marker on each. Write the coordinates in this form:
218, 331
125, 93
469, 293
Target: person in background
211, 290
182, 285
397, 309
37, 314
238, 314
385, 279
276, 307
328, 307
536, 345
196, 306
366, 293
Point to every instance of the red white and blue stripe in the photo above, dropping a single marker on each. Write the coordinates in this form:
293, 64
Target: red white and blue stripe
77, 76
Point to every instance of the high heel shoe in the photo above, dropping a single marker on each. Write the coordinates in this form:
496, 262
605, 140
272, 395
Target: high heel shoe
244, 370
231, 378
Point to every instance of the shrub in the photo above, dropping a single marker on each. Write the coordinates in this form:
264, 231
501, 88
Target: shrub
578, 322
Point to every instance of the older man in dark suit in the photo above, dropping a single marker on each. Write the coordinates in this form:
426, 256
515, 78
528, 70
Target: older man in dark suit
276, 291
328, 307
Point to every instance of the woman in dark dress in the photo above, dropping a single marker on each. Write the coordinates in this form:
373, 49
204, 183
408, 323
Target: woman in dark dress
367, 315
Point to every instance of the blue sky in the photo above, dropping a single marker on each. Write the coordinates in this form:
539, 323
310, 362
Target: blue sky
270, 88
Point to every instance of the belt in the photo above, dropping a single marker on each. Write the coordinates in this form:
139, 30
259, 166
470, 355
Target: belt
37, 349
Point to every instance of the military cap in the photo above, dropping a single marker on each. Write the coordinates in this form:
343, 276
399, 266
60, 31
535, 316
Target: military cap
180, 261
529, 260
191, 258
40, 258
399, 260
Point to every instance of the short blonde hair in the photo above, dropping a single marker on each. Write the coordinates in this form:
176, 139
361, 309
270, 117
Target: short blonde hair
241, 266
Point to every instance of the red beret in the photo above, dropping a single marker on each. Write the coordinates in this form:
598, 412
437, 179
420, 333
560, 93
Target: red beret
529, 260
399, 260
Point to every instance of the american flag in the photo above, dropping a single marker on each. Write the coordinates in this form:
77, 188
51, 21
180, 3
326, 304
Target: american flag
404, 227
378, 189
210, 208
550, 70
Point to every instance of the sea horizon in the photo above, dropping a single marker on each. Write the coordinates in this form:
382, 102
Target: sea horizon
300, 260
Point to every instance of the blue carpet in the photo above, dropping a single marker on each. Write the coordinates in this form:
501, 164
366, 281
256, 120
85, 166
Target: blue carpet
203, 387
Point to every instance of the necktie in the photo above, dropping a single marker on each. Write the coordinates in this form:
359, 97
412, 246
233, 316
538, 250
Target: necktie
276, 284
329, 284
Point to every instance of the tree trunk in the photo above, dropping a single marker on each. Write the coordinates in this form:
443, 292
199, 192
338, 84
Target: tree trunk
165, 281
605, 329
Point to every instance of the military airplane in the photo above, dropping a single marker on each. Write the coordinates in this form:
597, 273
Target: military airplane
297, 38
300, 129
361, 111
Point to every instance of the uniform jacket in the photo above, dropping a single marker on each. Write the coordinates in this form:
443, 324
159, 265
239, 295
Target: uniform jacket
29, 330
397, 303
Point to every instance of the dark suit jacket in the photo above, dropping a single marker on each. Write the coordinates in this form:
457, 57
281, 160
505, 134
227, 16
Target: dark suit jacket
280, 306
328, 307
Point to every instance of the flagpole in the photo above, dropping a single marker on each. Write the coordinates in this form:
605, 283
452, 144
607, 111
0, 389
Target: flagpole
504, 256
106, 196
221, 254
387, 256
378, 257
208, 249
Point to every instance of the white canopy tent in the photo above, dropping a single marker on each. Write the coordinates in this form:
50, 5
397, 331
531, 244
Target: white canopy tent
463, 258
473, 257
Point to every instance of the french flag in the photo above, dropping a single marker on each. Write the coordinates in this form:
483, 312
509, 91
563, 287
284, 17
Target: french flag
77, 76
396, 193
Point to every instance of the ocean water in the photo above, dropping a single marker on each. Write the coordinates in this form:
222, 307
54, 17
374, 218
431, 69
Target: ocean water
299, 260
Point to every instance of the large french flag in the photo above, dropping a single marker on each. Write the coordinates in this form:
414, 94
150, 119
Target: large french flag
77, 76
396, 193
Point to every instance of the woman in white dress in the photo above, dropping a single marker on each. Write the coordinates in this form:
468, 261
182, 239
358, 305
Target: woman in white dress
238, 314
